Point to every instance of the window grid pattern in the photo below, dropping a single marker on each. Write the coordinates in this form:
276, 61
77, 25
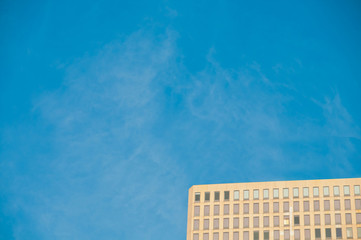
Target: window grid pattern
319, 212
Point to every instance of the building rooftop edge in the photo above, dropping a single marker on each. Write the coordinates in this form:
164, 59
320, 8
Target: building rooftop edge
351, 178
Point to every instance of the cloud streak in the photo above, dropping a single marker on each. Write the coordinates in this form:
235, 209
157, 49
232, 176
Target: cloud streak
132, 129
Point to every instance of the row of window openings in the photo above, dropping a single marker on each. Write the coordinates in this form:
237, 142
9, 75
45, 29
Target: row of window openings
286, 207
286, 233
285, 191
276, 221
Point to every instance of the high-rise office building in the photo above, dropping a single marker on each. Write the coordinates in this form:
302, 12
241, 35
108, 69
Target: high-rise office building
283, 210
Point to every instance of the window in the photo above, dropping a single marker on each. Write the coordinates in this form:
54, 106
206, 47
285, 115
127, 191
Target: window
296, 220
275, 207
266, 207
207, 196
305, 192
196, 224
307, 220
357, 189
336, 191
338, 218
317, 219
327, 219
195, 236
235, 235
337, 205
338, 232
216, 223
255, 222
225, 236
347, 204
245, 222
306, 206
275, 193
318, 233
255, 235
287, 234
206, 210
359, 232
205, 236
295, 192
245, 208
225, 223
206, 224
276, 221
246, 235
285, 193
286, 206
246, 194
255, 194
236, 222
297, 234
358, 218
307, 234
326, 205
358, 204
216, 196
328, 233
286, 220
235, 208
349, 232
226, 195
216, 210
326, 191
315, 192
346, 190
215, 236
316, 205
348, 218
276, 234
226, 209
197, 197
265, 194
196, 210
236, 195
266, 235
265, 221
296, 206
255, 208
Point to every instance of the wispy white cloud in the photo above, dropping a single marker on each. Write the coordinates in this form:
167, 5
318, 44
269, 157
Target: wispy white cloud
132, 128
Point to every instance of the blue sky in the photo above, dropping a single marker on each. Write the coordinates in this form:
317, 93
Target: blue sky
111, 110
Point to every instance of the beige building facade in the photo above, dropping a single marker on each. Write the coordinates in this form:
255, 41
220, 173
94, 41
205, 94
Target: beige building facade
283, 210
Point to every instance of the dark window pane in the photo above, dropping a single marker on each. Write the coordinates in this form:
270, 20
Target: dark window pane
297, 220
226, 195
197, 197
318, 233
255, 235
207, 196
266, 235
328, 232
338, 232
216, 196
